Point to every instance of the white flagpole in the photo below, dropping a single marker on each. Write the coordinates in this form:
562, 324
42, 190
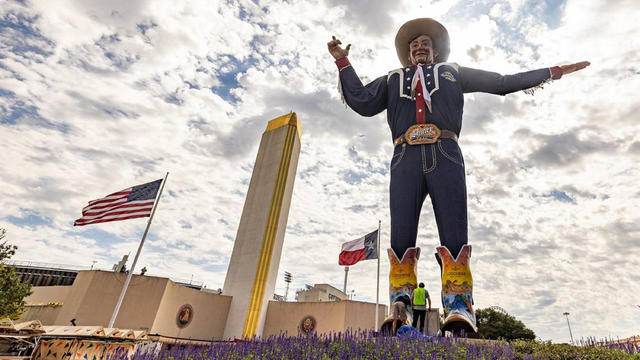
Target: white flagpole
135, 260
346, 272
378, 276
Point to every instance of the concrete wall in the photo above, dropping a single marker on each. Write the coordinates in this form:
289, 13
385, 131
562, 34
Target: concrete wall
432, 322
73, 300
95, 294
139, 306
46, 314
286, 316
47, 294
209, 313
360, 315
151, 303
330, 316
37, 308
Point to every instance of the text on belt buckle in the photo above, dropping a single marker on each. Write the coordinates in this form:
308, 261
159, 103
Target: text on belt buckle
422, 134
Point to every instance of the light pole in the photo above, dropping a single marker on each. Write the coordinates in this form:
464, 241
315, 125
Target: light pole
569, 325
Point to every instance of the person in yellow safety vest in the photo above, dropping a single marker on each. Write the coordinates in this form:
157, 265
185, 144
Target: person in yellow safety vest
418, 304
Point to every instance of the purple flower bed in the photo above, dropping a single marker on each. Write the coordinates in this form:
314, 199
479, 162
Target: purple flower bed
366, 345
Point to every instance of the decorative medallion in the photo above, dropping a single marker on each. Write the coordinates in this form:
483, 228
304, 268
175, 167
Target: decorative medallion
185, 315
307, 325
422, 134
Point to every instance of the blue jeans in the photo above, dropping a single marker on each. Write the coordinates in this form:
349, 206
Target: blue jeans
435, 169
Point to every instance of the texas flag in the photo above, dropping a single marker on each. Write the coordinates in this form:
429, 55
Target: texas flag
364, 248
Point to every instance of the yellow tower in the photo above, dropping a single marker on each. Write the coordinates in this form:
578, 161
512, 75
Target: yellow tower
251, 276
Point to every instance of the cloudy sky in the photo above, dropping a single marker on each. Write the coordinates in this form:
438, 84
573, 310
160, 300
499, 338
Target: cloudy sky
98, 96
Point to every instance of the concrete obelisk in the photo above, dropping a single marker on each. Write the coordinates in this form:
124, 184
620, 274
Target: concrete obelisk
251, 276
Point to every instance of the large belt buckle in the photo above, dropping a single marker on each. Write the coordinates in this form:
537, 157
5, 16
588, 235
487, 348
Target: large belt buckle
422, 134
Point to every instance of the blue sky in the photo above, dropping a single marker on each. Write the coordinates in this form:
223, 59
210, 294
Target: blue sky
99, 96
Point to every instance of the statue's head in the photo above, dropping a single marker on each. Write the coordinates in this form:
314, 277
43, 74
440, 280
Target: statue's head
421, 50
423, 41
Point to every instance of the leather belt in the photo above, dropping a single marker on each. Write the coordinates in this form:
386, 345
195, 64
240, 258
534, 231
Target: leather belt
424, 134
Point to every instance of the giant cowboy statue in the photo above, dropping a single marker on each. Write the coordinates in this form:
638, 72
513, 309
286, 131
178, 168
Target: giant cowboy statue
424, 101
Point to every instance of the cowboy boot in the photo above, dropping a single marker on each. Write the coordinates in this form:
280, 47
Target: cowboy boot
403, 279
457, 291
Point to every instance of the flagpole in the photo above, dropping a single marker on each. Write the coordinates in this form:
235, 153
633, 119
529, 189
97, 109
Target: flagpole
135, 259
378, 276
346, 272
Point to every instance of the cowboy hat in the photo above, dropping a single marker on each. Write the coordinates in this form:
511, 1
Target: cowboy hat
423, 26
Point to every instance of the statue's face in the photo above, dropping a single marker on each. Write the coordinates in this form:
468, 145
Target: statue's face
421, 50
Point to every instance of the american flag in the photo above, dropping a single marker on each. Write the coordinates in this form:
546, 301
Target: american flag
134, 202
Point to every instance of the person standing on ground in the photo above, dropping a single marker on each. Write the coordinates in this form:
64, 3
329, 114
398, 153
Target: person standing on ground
419, 306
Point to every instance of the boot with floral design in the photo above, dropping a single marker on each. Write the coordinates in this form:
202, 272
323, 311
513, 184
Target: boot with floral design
403, 279
457, 291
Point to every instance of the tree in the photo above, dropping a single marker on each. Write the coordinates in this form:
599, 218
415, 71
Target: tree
493, 324
12, 290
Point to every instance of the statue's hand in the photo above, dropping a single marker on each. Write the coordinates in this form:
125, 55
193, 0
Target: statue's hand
335, 50
568, 69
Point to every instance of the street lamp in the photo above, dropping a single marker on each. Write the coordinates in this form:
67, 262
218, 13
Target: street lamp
569, 325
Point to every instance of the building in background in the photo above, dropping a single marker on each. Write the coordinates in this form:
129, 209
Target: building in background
168, 309
41, 274
320, 292
155, 304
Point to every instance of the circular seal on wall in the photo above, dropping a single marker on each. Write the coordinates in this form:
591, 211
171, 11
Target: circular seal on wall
307, 325
185, 315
